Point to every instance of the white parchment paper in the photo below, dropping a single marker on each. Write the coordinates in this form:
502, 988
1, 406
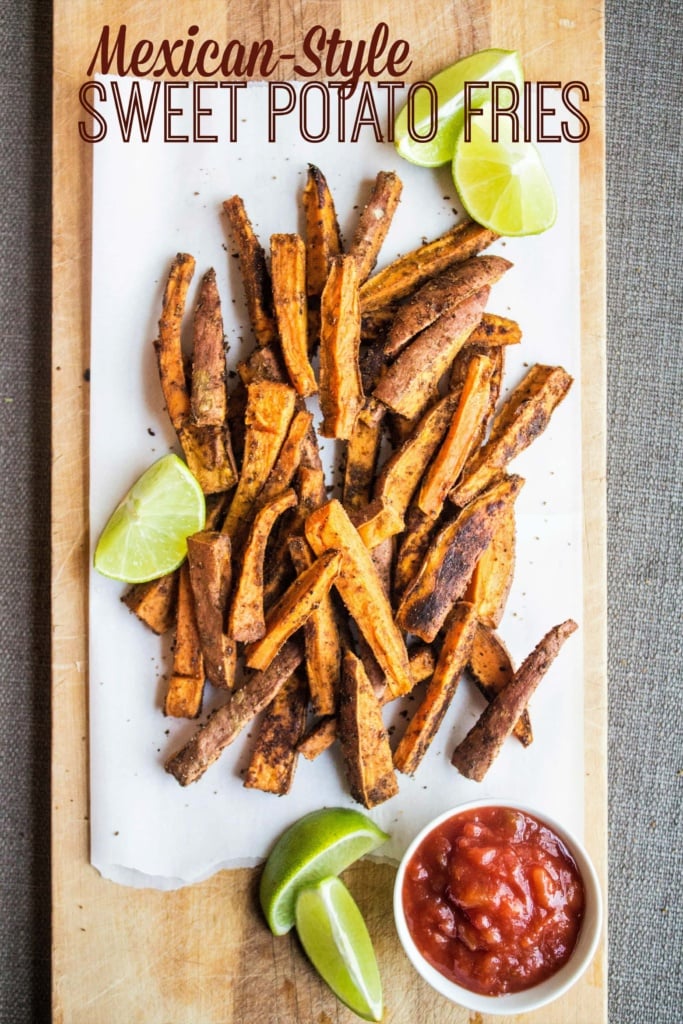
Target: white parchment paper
152, 199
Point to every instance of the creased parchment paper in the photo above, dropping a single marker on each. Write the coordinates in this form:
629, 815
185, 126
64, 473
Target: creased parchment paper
153, 199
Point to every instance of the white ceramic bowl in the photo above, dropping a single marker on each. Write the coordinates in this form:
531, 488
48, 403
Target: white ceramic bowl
538, 995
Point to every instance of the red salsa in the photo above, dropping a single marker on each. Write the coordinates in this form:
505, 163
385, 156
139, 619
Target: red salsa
493, 900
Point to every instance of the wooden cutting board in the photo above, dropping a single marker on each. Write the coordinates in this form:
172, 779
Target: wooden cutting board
202, 955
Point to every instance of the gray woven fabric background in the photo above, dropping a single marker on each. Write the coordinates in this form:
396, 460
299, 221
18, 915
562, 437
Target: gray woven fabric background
645, 535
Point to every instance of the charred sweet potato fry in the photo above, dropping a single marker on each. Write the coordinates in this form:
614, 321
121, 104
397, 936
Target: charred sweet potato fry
425, 723
324, 732
364, 741
495, 331
209, 455
451, 557
408, 272
361, 455
524, 416
491, 580
154, 602
269, 412
273, 759
441, 295
323, 238
423, 363
208, 558
341, 391
375, 221
476, 753
208, 396
447, 464
288, 272
321, 635
255, 277
186, 684
491, 669
294, 607
360, 588
247, 620
226, 723
168, 344
401, 474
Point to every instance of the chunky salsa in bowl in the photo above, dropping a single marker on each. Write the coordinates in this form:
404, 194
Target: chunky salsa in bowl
497, 907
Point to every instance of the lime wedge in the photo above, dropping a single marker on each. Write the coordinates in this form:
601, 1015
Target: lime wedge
484, 66
503, 185
146, 536
336, 940
321, 843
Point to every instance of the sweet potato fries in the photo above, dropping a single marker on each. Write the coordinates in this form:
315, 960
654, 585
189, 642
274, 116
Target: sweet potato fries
301, 605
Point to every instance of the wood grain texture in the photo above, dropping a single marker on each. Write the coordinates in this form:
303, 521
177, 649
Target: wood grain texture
202, 955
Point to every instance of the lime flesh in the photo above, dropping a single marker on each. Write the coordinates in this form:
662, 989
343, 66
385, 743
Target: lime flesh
333, 933
321, 843
484, 66
503, 185
146, 536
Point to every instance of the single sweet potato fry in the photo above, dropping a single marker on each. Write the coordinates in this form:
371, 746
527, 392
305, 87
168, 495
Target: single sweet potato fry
491, 580
209, 455
408, 272
208, 395
186, 684
491, 669
168, 345
255, 277
154, 602
422, 364
495, 331
425, 723
361, 455
269, 412
341, 391
288, 272
247, 619
321, 635
524, 416
375, 221
273, 759
323, 238
476, 753
361, 590
441, 295
451, 558
294, 607
208, 558
324, 732
364, 741
447, 464
225, 724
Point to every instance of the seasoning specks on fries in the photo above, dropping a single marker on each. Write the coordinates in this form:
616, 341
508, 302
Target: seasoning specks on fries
304, 608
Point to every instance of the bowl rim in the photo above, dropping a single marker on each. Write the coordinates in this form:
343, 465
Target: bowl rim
546, 991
